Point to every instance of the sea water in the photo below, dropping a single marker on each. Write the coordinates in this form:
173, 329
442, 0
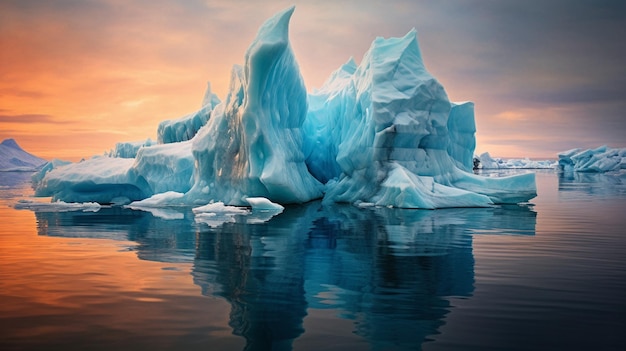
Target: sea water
546, 275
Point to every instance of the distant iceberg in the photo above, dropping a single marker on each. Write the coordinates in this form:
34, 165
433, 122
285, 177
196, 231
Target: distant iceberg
485, 161
601, 159
381, 132
14, 159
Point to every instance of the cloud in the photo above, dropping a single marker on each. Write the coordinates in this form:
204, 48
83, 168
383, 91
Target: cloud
29, 119
538, 71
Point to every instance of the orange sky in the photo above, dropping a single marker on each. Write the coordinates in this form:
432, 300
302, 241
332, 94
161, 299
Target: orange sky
76, 77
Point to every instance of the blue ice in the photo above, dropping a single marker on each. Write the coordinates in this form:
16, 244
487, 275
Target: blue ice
382, 132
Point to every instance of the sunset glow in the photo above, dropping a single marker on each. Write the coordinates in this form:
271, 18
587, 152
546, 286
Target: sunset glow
77, 77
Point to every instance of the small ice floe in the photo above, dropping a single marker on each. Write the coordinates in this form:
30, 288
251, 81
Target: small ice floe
160, 205
263, 204
262, 210
57, 206
217, 213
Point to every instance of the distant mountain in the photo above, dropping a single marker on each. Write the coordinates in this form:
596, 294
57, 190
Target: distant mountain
14, 158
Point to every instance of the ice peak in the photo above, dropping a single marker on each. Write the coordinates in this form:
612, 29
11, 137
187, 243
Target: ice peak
275, 31
11, 143
397, 49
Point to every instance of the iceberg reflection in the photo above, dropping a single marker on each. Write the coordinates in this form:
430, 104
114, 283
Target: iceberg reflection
610, 184
390, 271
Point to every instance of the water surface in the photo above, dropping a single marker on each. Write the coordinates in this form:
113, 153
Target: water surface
541, 276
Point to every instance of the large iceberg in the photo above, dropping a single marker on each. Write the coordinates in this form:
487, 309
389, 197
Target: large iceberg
381, 132
601, 159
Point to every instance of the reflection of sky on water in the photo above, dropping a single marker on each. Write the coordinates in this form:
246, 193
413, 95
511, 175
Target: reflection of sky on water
12, 184
389, 271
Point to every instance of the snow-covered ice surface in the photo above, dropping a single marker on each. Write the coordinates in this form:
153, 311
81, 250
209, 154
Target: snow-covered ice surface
488, 162
601, 159
380, 133
14, 159
263, 204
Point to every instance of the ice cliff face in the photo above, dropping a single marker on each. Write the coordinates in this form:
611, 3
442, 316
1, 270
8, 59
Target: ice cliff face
252, 146
385, 133
382, 132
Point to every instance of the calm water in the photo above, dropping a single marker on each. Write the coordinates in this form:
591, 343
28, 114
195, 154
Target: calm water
546, 276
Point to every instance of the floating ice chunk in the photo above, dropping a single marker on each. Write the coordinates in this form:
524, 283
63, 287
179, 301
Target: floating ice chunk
169, 198
261, 203
160, 205
220, 208
156, 169
100, 179
601, 159
57, 206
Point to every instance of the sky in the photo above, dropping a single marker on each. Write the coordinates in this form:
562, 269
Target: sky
77, 76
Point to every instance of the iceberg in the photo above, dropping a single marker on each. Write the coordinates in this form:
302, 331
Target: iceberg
100, 179
601, 159
379, 133
14, 159
485, 161
156, 169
